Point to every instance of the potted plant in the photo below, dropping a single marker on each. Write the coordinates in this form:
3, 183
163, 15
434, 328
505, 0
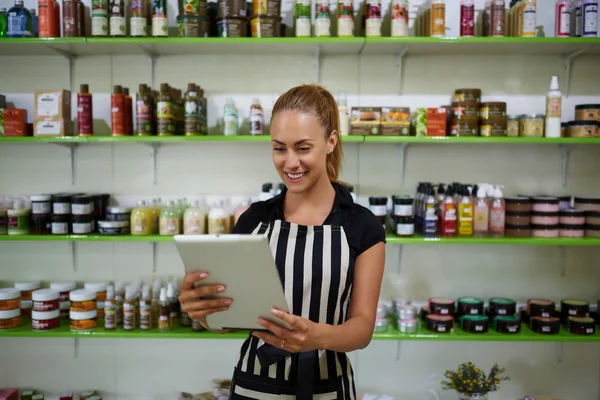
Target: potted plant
471, 383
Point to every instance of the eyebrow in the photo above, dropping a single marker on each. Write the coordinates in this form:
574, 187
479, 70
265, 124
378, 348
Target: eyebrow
295, 144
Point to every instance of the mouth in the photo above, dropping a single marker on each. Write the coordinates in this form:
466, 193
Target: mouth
295, 177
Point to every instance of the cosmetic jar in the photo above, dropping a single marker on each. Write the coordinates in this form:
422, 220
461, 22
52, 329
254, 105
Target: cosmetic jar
520, 218
118, 214
572, 217
441, 306
517, 230
544, 218
406, 312
10, 319
540, 308
581, 326
381, 325
83, 320
545, 204
61, 204
440, 323
545, 231
60, 224
546, 326
408, 325
26, 308
45, 300
587, 203
10, 299
501, 307
45, 320
592, 231
474, 323
469, 306
571, 231
27, 288
517, 204
507, 324
82, 300
40, 204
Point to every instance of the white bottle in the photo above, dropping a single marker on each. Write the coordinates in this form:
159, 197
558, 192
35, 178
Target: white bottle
342, 103
194, 220
230, 118
219, 220
497, 214
553, 110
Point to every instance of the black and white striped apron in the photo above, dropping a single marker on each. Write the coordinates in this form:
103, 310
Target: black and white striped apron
316, 273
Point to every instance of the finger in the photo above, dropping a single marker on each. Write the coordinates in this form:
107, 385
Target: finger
189, 279
296, 322
269, 338
195, 294
204, 304
206, 312
276, 329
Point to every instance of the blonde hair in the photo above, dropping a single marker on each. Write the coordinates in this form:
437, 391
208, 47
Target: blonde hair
315, 100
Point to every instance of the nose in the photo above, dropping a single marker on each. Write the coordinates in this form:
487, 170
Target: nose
292, 161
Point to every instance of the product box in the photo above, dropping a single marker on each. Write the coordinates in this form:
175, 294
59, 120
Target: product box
61, 127
2, 101
395, 121
52, 105
365, 121
9, 394
436, 121
15, 122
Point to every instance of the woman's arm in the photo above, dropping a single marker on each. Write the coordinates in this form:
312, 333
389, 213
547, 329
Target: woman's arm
356, 333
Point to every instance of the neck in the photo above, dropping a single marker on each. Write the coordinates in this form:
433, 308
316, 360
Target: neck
322, 192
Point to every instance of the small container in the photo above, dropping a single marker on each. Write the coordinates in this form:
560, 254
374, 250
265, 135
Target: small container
544, 218
45, 320
27, 288
592, 217
229, 8
61, 204
545, 204
83, 320
378, 206
263, 26
406, 312
583, 129
573, 308
26, 308
98, 287
63, 288
475, 323
113, 228
513, 126
465, 127
45, 300
492, 111
565, 203
197, 326
81, 224
41, 204
441, 306
468, 109
540, 308
60, 224
469, 306
581, 326
41, 224
532, 125
592, 231
587, 204
232, 27
509, 324
587, 112
440, 323
545, 231
518, 204
82, 300
10, 299
405, 226
81, 205
118, 214
517, 218
463, 95
10, 319
192, 26
403, 206
571, 231
408, 325
517, 230
381, 325
493, 128
545, 326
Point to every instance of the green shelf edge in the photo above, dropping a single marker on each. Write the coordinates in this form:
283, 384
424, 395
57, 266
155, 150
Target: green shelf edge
478, 140
482, 40
391, 240
526, 335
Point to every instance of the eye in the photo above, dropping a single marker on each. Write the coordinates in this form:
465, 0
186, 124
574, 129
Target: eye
304, 149
278, 149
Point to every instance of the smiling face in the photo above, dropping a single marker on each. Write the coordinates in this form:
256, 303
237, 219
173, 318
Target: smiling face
300, 147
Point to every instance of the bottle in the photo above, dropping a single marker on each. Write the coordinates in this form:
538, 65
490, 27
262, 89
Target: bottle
498, 19
81, 13
241, 209
194, 220
155, 207
257, 118
322, 18
230, 118
448, 215
129, 317
486, 19
119, 293
345, 18
18, 21
141, 220
144, 107
138, 10
164, 112
467, 17
128, 112
173, 306
553, 110
169, 220
85, 126
465, 213
497, 214
563, 18
154, 308
528, 17
145, 310
578, 31
219, 220
342, 103
589, 23
3, 23
34, 23
159, 18
481, 215
399, 18
430, 224
110, 310
100, 18
164, 307
438, 18
70, 17
117, 112
191, 114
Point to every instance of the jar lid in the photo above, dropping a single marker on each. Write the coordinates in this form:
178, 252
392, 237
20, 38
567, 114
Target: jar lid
588, 107
29, 285
118, 210
113, 224
517, 227
9, 294
96, 286
437, 317
408, 323
544, 227
6, 314
81, 219
572, 213
378, 201
82, 295
590, 227
545, 200
43, 315
513, 117
584, 123
441, 300
406, 200
42, 197
589, 200
517, 200
533, 116
61, 198
469, 300
81, 199
572, 227
26, 304
45, 295
518, 213
502, 300
544, 214
63, 286
82, 315
593, 214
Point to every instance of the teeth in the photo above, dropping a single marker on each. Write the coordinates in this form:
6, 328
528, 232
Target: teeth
295, 176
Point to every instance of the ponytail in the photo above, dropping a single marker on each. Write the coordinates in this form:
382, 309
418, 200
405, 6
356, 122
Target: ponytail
318, 102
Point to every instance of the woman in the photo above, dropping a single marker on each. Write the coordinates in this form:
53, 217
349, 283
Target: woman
329, 253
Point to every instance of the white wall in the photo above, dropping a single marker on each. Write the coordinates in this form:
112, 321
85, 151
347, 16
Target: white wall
122, 367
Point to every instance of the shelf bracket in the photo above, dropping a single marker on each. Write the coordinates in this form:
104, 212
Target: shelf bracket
400, 248
76, 347
398, 349
563, 260
560, 351
152, 56
154, 267
401, 163
565, 153
72, 149
66, 54
400, 68
153, 155
317, 65
568, 62
73, 247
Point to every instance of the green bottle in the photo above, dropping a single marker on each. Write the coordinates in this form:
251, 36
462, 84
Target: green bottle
2, 22
170, 220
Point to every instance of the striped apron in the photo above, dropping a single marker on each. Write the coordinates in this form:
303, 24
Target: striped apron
315, 270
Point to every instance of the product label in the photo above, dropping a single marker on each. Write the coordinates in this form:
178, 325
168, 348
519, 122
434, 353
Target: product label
49, 305
529, 21
40, 325
465, 222
50, 128
83, 324
497, 220
403, 210
18, 222
379, 211
399, 18
467, 20
164, 109
194, 226
145, 317
218, 226
84, 115
438, 20
159, 26
481, 219
303, 9
169, 226
59, 228
303, 26
40, 208
48, 104
590, 19
553, 107
99, 25
256, 121
563, 28
117, 26
83, 305
137, 27
230, 122
322, 19
16, 25
81, 209
82, 227
128, 316
448, 219
373, 23
405, 229
61, 208
345, 18
163, 322
140, 226
497, 19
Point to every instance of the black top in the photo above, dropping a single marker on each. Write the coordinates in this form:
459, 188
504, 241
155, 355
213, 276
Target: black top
363, 230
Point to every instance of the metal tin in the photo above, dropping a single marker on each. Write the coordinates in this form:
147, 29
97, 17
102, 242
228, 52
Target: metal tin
262, 26
509, 324
118, 214
493, 127
442, 306
540, 308
492, 110
502, 307
440, 323
232, 27
467, 95
381, 325
408, 325
545, 326
407, 312
113, 227
469, 306
581, 326
573, 308
532, 125
232, 8
475, 323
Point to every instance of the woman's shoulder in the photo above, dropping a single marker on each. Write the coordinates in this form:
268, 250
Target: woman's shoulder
256, 214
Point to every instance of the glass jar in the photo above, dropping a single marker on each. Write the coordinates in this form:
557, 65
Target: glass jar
532, 125
513, 126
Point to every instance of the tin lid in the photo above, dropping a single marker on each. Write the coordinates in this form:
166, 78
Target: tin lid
571, 227
378, 201
545, 200
81, 199
517, 200
544, 214
118, 210
82, 295
408, 323
28, 285
440, 318
469, 300
45, 295
6, 314
82, 315
572, 213
574, 302
113, 224
63, 286
44, 315
26, 304
588, 107
61, 198
96, 286
502, 300
584, 123
588, 200
42, 197
533, 116
9, 294
403, 200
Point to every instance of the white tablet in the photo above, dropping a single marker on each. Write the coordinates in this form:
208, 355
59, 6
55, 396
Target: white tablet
245, 265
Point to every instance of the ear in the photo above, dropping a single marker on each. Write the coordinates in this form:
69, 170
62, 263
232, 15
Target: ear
332, 140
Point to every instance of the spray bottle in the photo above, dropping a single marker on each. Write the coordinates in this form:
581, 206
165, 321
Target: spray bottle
497, 214
145, 310
430, 228
465, 213
448, 215
110, 317
119, 294
164, 311
155, 301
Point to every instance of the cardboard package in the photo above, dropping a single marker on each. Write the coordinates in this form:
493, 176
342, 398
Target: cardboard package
395, 121
15, 122
61, 127
52, 105
9, 394
365, 121
436, 121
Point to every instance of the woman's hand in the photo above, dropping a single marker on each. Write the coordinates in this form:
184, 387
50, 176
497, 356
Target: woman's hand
304, 337
193, 299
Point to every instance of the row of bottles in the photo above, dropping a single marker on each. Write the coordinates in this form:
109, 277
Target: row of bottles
459, 210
